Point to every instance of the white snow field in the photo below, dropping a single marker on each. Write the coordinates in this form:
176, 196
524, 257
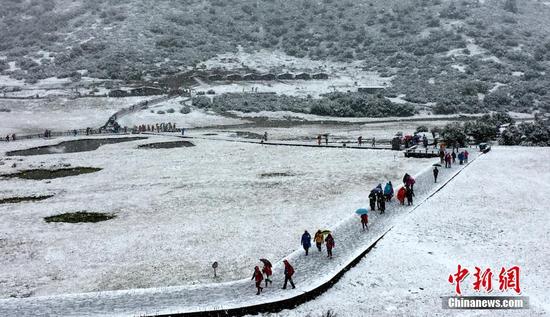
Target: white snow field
494, 214
240, 219
60, 114
178, 211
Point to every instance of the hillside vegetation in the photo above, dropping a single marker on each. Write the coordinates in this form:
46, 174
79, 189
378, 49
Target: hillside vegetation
464, 55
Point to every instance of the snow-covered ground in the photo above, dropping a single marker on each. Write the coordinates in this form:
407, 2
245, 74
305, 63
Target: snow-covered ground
59, 114
494, 214
312, 271
170, 112
343, 77
184, 209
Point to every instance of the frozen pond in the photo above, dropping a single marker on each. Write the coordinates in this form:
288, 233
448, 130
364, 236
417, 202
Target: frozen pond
81, 145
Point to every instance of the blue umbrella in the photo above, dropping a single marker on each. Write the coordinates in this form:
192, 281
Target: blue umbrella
362, 211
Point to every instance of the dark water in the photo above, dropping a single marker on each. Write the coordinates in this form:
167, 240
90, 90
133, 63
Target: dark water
82, 145
40, 174
166, 145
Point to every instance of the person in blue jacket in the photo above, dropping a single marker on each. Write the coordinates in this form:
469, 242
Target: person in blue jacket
388, 191
306, 241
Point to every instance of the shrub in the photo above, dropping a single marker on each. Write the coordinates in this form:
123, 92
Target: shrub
185, 110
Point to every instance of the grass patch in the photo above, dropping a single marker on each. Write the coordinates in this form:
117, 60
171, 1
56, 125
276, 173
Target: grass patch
40, 174
248, 135
166, 145
80, 216
15, 200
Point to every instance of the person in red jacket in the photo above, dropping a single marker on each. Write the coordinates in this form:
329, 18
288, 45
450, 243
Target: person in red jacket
268, 272
258, 277
330, 244
289, 271
401, 195
365, 221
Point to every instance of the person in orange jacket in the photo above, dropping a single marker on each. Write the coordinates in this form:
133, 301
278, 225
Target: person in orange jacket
318, 238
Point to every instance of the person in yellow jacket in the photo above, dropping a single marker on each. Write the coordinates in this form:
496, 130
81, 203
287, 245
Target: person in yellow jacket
318, 239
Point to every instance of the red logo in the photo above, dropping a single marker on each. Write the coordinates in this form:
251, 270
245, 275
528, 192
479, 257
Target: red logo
508, 279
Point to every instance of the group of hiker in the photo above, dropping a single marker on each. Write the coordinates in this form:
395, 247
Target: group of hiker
158, 127
318, 239
377, 199
8, 137
258, 275
360, 140
450, 158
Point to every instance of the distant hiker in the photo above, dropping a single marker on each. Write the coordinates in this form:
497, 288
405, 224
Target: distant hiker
7, 138
265, 136
388, 191
330, 244
409, 194
289, 271
306, 241
448, 160
401, 195
461, 158
360, 140
182, 131
436, 172
319, 139
381, 203
425, 141
268, 272
453, 156
373, 142
75, 132
326, 139
406, 178
466, 154
318, 239
258, 277
410, 182
372, 200
365, 221
442, 156
13, 137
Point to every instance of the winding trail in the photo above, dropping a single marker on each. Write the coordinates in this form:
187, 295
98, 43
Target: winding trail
314, 274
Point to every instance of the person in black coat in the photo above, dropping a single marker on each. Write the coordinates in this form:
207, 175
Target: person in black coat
381, 203
372, 200
436, 172
409, 195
